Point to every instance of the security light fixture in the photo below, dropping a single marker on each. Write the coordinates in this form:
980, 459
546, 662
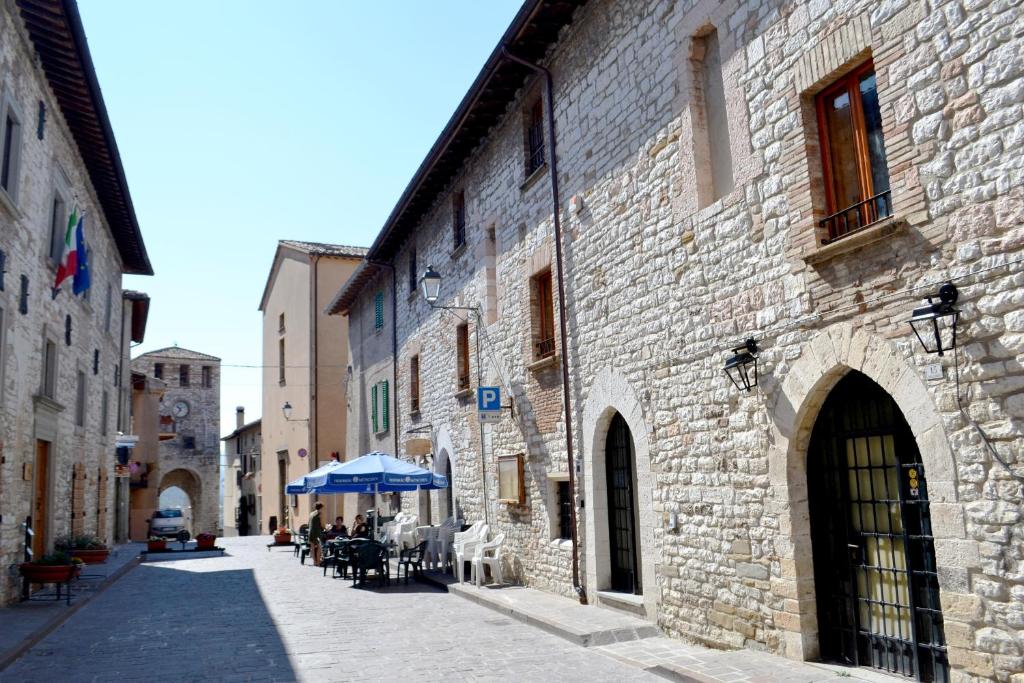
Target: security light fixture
742, 366
430, 284
935, 324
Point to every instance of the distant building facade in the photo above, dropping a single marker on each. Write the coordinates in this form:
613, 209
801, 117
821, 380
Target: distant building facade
305, 358
798, 174
189, 426
62, 374
242, 463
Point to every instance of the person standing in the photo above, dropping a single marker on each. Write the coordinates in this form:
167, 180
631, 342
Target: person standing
316, 533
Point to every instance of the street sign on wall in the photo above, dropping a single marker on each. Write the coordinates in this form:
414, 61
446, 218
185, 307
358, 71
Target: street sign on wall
488, 404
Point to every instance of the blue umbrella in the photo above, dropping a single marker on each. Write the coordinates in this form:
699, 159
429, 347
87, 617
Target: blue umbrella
301, 485
373, 473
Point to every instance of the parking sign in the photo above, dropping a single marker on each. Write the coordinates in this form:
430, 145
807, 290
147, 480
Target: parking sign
488, 404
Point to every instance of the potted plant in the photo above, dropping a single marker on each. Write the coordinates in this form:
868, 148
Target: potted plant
58, 567
205, 541
88, 548
156, 544
283, 536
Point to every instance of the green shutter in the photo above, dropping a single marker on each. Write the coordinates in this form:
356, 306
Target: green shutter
373, 407
378, 310
385, 405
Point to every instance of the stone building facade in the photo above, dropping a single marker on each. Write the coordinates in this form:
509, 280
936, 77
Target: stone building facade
305, 357
242, 461
798, 173
189, 417
61, 355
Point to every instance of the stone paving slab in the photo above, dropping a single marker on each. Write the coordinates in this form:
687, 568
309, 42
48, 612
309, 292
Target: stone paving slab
26, 623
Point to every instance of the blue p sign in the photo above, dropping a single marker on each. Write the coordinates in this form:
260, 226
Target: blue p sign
488, 399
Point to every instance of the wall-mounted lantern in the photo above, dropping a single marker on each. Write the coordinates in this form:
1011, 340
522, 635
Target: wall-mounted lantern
430, 285
287, 410
742, 366
935, 324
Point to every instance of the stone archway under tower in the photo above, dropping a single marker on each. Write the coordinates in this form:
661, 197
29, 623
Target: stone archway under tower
794, 406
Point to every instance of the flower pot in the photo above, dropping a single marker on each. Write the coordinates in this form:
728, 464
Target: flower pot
205, 544
91, 555
282, 538
45, 573
156, 546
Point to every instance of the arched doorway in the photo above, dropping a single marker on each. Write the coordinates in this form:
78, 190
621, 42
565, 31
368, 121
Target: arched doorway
182, 488
875, 574
620, 473
445, 497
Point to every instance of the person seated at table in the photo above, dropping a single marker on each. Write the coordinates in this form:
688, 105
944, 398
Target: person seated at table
338, 529
359, 528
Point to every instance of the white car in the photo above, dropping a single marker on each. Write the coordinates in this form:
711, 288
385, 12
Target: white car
166, 522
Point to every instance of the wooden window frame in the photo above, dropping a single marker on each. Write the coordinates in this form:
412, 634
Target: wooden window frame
459, 219
543, 284
378, 311
414, 384
848, 83
517, 462
462, 368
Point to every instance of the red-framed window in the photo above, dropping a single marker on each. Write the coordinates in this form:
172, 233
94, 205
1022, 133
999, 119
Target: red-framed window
853, 153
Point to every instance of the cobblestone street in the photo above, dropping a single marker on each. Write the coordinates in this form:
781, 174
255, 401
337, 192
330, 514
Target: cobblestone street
245, 617
254, 615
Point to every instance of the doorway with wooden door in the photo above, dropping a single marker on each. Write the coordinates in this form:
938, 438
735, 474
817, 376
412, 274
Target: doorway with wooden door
40, 498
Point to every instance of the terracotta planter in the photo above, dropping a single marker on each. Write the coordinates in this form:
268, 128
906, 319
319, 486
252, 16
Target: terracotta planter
281, 539
42, 573
203, 544
156, 546
91, 555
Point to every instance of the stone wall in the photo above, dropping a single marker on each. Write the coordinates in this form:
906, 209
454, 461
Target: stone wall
25, 218
660, 288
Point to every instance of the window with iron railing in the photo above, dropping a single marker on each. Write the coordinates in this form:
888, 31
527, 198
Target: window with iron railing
564, 510
543, 315
462, 355
855, 168
535, 137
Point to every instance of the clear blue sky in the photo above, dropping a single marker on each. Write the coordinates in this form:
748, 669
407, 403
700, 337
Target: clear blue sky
244, 122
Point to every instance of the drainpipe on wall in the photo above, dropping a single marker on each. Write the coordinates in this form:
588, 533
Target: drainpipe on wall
562, 324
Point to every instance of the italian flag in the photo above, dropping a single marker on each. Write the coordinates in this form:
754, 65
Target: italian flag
69, 261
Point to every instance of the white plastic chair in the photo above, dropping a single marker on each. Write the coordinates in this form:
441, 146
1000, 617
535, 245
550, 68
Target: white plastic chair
464, 547
405, 533
443, 542
488, 555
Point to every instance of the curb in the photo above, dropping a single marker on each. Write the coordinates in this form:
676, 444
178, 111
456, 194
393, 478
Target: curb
581, 638
15, 653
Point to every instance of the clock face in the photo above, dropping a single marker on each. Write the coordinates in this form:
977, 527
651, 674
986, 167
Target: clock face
180, 409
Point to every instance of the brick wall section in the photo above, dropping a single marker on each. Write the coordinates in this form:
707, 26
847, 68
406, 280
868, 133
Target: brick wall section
659, 290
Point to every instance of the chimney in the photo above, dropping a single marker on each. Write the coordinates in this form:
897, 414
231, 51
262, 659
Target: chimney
239, 417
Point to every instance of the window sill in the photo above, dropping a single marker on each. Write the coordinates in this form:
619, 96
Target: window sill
47, 402
7, 202
541, 364
532, 178
458, 251
280, 383
414, 414
462, 394
879, 230
561, 543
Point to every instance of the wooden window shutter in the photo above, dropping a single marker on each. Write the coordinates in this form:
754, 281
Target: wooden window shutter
378, 310
385, 406
373, 407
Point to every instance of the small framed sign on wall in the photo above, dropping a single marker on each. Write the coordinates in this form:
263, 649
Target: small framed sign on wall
511, 487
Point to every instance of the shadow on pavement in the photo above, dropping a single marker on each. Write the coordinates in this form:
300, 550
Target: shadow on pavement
187, 624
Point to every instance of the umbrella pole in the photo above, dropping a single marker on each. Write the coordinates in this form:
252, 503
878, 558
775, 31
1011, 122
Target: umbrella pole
376, 509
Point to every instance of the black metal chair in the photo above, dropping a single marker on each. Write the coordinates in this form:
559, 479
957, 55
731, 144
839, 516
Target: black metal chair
302, 545
412, 557
370, 556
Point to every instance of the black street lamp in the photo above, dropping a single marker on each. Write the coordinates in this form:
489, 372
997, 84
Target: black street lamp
935, 324
741, 368
430, 283
287, 410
